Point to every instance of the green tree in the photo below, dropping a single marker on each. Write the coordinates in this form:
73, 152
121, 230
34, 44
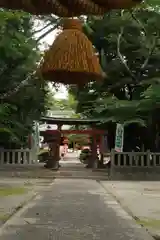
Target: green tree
128, 47
23, 95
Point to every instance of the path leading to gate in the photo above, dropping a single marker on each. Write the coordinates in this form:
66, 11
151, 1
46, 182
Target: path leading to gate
71, 167
71, 159
72, 209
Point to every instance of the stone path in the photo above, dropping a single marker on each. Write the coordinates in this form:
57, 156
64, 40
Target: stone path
14, 193
139, 199
72, 209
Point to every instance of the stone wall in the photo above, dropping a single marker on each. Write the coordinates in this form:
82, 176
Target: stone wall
135, 173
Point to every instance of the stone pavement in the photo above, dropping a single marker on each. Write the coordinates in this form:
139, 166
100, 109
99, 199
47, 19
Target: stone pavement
14, 193
141, 200
72, 209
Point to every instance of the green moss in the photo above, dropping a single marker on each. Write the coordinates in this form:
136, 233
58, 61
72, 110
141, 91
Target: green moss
4, 217
153, 223
12, 191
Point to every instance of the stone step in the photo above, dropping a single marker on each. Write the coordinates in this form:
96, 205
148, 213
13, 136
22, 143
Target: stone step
100, 178
76, 177
75, 171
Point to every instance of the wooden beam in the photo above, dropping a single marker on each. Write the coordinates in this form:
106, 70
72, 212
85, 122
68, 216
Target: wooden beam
68, 121
87, 132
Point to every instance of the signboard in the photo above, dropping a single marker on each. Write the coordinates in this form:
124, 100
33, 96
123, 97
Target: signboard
119, 138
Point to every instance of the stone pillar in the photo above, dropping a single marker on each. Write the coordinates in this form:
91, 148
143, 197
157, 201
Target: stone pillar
53, 159
93, 161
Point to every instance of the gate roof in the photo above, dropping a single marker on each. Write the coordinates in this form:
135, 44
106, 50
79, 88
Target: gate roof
68, 121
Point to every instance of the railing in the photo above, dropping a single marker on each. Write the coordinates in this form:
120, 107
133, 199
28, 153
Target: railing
135, 165
134, 159
17, 156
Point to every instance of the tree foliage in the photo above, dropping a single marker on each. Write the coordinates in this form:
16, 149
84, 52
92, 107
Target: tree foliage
19, 58
128, 44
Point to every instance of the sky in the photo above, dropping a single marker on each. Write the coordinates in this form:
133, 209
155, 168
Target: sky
62, 91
